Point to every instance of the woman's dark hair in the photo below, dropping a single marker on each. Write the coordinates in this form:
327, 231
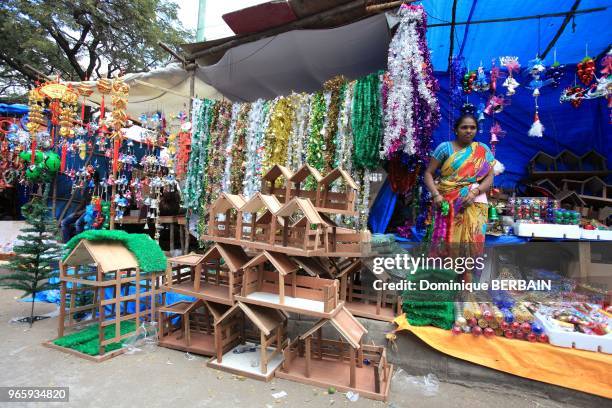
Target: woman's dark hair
461, 118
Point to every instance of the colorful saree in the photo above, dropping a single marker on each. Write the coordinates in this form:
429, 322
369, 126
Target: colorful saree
459, 172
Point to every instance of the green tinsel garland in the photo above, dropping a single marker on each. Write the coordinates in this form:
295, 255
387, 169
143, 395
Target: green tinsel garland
147, 252
316, 141
435, 308
87, 341
192, 192
367, 122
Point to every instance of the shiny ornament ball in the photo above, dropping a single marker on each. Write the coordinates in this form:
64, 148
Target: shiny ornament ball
476, 331
525, 327
456, 330
509, 334
532, 337
489, 333
543, 338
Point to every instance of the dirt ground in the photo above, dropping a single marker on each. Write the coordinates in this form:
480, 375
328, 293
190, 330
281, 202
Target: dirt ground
167, 378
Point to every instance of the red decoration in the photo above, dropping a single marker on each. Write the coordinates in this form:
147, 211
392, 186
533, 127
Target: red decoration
116, 146
586, 70
63, 158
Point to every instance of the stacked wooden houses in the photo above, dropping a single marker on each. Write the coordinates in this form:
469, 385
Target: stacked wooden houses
281, 252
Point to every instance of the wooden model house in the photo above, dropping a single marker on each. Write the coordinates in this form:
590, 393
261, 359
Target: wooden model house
249, 340
271, 279
225, 215
190, 326
215, 276
93, 267
361, 300
345, 363
275, 182
257, 217
297, 183
302, 227
337, 202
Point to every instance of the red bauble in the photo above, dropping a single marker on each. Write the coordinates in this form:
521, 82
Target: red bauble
456, 330
504, 325
525, 327
489, 333
519, 335
509, 334
476, 331
488, 316
516, 326
532, 337
543, 338
473, 322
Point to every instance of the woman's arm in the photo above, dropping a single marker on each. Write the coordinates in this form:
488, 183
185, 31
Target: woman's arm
428, 178
483, 187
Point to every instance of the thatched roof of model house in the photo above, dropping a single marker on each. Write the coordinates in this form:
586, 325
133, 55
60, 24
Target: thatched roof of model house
345, 323
281, 262
114, 250
266, 319
107, 255
259, 200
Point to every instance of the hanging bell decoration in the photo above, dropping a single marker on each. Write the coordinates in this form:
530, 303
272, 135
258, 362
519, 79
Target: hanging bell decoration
493, 213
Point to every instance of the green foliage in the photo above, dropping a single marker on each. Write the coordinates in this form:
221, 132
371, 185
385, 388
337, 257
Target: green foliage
78, 39
37, 255
147, 252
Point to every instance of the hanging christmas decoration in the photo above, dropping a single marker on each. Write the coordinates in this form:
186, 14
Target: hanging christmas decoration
511, 63
585, 70
255, 147
279, 129
497, 133
335, 86
495, 104
412, 110
68, 113
366, 122
238, 152
469, 78
316, 141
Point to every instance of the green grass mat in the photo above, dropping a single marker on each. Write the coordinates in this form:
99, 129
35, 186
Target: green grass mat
86, 340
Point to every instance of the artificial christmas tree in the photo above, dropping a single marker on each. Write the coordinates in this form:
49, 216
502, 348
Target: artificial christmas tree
36, 256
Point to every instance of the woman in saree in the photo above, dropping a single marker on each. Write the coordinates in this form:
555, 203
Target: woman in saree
466, 174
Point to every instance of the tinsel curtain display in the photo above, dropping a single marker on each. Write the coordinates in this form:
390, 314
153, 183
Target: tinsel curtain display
412, 108
254, 147
238, 152
296, 153
335, 87
278, 132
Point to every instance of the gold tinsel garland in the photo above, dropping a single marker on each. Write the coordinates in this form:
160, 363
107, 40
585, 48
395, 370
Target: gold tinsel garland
278, 132
334, 86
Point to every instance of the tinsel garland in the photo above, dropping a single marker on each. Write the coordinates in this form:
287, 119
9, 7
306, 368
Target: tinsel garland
336, 89
254, 147
212, 178
366, 121
316, 141
295, 147
344, 152
363, 181
412, 108
225, 182
239, 150
278, 132
201, 115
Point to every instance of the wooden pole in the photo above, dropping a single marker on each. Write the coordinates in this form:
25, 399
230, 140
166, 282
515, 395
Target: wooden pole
307, 357
353, 369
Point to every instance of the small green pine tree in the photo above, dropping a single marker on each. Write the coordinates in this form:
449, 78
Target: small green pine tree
37, 255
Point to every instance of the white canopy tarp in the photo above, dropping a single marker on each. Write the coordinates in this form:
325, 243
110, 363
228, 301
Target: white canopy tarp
165, 89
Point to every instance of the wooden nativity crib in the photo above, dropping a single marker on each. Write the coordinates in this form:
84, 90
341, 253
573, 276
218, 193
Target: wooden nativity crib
190, 326
215, 276
344, 363
249, 340
271, 279
120, 296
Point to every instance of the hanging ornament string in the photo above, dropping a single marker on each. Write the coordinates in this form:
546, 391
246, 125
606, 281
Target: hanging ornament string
344, 153
366, 121
295, 147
